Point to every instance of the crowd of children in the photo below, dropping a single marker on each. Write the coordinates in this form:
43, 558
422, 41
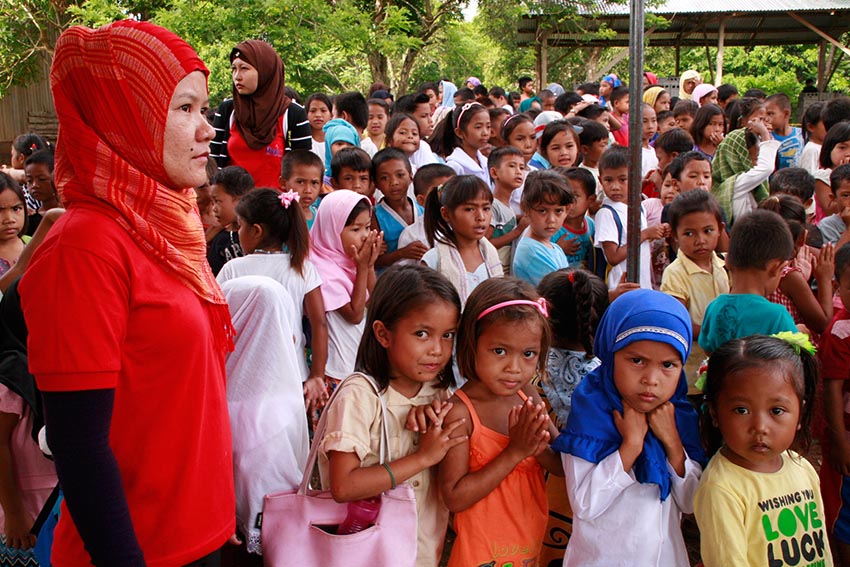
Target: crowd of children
469, 258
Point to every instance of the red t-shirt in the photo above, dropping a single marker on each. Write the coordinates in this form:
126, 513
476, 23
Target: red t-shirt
262, 164
102, 313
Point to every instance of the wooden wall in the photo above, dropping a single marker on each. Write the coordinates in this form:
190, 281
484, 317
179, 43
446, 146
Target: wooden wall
27, 109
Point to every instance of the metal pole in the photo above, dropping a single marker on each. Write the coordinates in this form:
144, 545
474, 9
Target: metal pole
636, 23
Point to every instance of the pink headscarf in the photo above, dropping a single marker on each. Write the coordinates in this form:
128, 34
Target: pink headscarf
702, 90
335, 267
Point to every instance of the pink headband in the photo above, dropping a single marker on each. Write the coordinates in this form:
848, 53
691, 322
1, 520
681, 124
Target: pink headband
463, 109
540, 305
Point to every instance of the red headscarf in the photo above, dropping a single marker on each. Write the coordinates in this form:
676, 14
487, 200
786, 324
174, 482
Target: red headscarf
111, 88
257, 114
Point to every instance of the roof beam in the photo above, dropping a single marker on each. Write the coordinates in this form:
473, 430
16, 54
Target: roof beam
824, 35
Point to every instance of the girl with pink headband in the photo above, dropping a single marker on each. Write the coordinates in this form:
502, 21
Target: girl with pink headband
493, 480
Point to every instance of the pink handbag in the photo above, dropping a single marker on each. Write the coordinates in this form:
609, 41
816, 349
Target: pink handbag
292, 521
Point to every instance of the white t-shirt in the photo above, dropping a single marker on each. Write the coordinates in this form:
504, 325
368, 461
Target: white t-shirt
343, 341
319, 149
606, 231
410, 234
648, 161
278, 268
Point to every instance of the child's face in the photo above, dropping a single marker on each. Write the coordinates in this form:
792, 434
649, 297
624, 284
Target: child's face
406, 137
776, 117
646, 374
662, 103
355, 234
12, 215
377, 120
605, 88
433, 99
650, 124
434, 184
40, 182
621, 106
423, 117
357, 181
715, 127
582, 201
603, 119
419, 345
249, 236
393, 179
224, 205
476, 134
17, 159
318, 115
563, 149
507, 354
667, 124
664, 158
509, 173
306, 180
593, 152
523, 139
336, 146
469, 220
817, 132
545, 219
615, 183
840, 154
696, 175
842, 196
697, 234
669, 189
684, 122
710, 98
758, 414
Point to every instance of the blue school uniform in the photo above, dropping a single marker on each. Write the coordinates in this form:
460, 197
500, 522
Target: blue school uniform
392, 224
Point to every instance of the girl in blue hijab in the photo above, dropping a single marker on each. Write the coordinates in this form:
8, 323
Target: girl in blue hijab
631, 448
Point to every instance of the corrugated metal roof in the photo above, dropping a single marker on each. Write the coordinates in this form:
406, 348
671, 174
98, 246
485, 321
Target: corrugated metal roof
691, 23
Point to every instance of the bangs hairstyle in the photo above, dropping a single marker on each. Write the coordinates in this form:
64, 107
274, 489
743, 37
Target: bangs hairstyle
487, 294
839, 175
355, 159
43, 157
511, 122
553, 129
758, 351
389, 154
693, 202
6, 182
577, 299
545, 186
811, 118
300, 158
757, 238
443, 139
683, 107
453, 193
615, 157
285, 224
677, 167
319, 97
379, 102
361, 207
235, 180
400, 291
837, 134
703, 118
396, 120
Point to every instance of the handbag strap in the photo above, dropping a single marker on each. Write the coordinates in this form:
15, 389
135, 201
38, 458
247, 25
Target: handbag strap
319, 434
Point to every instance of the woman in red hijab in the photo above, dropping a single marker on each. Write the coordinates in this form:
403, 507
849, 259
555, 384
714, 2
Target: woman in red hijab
260, 123
127, 327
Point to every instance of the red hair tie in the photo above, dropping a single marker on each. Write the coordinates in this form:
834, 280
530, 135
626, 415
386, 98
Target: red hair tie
572, 277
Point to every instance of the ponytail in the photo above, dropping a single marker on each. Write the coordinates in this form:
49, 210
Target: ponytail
281, 217
577, 298
453, 193
437, 229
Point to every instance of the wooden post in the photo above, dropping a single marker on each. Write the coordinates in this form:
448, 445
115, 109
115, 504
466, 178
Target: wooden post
821, 65
721, 38
677, 61
544, 60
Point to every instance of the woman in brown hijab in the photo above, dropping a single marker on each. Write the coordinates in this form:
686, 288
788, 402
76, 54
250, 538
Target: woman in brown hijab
260, 123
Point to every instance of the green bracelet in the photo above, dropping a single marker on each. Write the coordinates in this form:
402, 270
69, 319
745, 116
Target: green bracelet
392, 476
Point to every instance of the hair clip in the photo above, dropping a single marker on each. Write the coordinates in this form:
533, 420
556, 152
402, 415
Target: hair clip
287, 198
539, 304
798, 341
33, 147
572, 277
702, 376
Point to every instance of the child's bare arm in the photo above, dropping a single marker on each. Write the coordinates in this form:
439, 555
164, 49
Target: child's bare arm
349, 481
662, 421
614, 253
314, 388
461, 488
633, 427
